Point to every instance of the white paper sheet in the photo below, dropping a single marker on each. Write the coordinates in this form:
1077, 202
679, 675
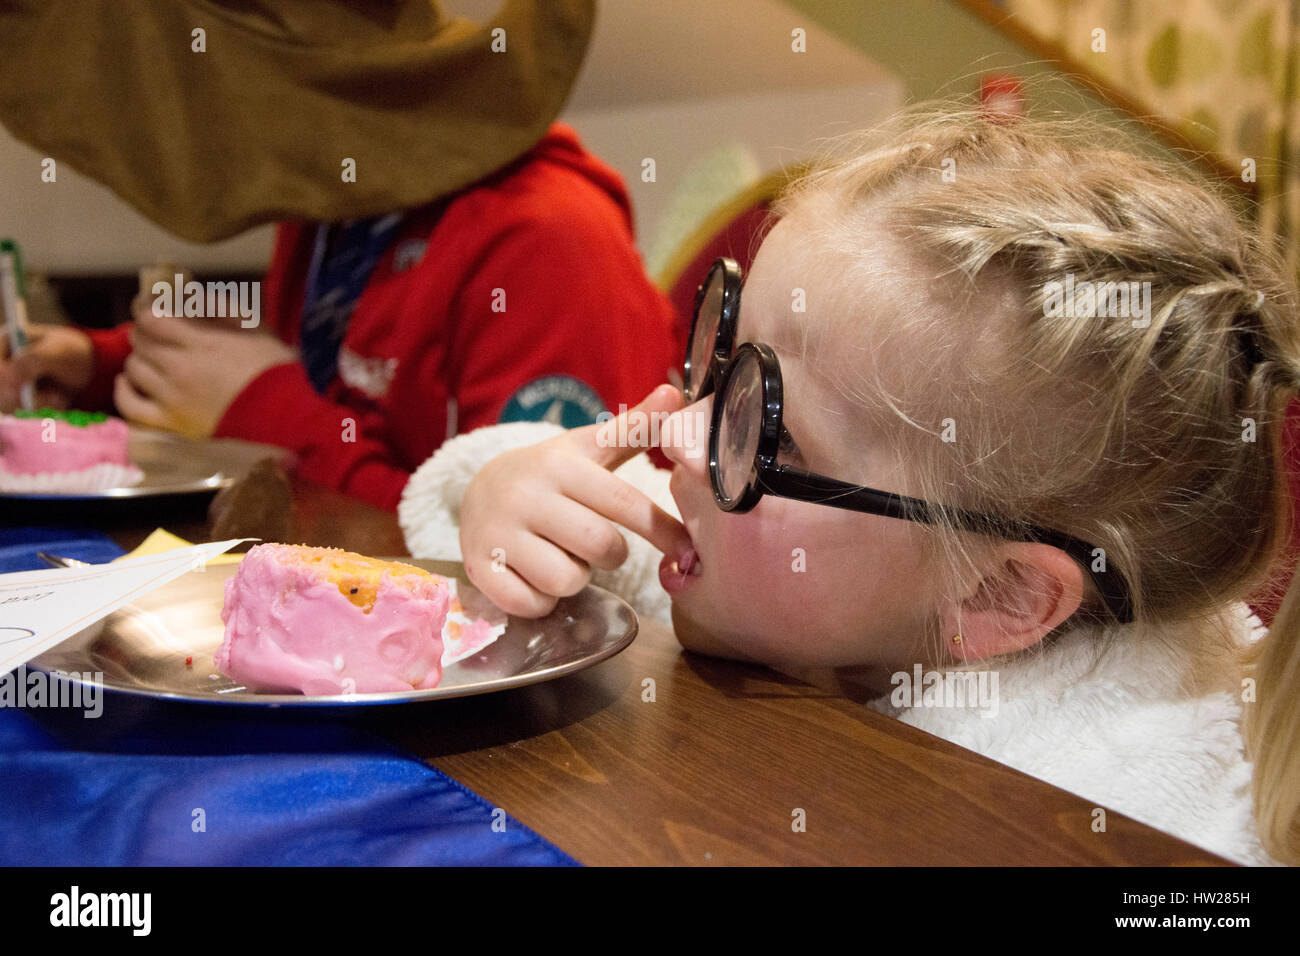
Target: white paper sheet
38, 609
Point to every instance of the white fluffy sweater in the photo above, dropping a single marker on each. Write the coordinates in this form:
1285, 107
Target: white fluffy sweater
1150, 728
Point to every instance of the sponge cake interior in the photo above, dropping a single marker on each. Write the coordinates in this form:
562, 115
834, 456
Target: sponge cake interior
356, 576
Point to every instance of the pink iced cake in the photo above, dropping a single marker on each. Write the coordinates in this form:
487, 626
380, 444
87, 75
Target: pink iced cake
326, 621
50, 441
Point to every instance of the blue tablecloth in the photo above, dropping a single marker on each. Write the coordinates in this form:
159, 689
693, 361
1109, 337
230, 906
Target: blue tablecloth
18, 547
199, 785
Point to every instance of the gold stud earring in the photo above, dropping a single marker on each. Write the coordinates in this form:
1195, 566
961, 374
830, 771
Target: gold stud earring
956, 638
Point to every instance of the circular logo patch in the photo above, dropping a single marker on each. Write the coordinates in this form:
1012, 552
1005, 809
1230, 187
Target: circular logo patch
561, 399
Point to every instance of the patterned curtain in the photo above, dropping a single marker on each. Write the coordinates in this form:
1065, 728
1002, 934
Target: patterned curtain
1227, 72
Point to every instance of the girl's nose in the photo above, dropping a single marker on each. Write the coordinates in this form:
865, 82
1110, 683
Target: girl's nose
686, 437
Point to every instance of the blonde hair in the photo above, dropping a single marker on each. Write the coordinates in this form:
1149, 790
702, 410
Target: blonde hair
1160, 444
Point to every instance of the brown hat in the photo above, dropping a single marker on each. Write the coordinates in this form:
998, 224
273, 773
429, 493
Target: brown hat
283, 109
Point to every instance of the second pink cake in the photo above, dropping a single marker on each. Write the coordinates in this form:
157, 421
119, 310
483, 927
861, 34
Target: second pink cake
49, 450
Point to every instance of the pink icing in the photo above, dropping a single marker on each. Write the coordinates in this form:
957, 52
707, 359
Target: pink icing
290, 629
475, 636
24, 450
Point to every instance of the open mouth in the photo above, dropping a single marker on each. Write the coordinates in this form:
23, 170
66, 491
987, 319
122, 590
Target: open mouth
675, 575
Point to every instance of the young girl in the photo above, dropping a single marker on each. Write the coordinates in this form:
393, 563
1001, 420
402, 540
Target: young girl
999, 399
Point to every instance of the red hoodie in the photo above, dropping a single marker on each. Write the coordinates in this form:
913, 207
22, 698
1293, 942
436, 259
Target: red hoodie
526, 299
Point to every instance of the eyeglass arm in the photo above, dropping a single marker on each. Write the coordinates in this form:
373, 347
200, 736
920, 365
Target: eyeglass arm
786, 481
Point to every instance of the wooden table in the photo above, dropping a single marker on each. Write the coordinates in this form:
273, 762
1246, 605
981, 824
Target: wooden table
717, 769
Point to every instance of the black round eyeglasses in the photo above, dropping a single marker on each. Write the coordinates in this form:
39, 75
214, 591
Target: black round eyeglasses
746, 435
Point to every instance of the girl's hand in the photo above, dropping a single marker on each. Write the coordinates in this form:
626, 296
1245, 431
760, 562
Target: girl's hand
536, 520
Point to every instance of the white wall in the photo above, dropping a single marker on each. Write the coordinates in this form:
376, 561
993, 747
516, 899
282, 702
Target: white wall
711, 91
76, 226
773, 129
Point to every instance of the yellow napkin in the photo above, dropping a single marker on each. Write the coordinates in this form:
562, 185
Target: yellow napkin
160, 540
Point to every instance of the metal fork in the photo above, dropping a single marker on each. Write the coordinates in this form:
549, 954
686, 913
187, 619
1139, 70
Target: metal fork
55, 561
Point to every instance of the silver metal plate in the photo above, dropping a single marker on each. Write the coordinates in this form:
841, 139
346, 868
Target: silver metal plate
176, 465
142, 649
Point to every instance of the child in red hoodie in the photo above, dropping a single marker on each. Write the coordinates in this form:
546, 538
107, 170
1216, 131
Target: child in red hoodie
520, 298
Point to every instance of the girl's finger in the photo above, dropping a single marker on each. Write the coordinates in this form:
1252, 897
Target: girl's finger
589, 484
579, 531
545, 566
622, 438
507, 590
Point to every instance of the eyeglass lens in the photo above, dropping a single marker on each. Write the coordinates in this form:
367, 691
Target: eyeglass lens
740, 426
705, 334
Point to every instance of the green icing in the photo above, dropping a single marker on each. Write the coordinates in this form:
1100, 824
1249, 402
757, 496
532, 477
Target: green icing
80, 419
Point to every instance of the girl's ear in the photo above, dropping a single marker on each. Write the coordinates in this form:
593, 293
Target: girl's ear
1034, 590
